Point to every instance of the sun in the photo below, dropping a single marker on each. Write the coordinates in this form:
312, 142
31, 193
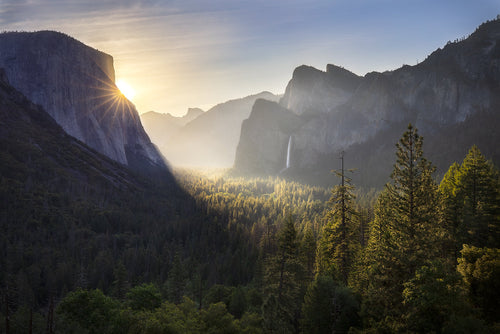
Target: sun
125, 89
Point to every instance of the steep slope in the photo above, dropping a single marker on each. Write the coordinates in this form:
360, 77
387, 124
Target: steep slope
267, 154
315, 91
455, 87
210, 139
34, 146
69, 216
75, 85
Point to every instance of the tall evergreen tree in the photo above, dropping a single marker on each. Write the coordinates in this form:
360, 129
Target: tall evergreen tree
340, 234
284, 278
471, 194
308, 253
176, 281
451, 210
414, 202
405, 231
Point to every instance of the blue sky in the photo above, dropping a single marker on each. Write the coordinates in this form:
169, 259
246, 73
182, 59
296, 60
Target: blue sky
193, 53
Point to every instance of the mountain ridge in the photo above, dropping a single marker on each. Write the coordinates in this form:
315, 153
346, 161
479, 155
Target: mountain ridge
338, 113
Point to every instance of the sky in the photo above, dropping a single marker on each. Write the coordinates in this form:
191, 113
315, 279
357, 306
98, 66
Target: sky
177, 54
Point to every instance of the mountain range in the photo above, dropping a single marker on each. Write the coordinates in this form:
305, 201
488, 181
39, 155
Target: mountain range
202, 139
452, 98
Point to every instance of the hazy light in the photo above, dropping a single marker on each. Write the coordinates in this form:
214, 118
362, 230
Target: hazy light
126, 89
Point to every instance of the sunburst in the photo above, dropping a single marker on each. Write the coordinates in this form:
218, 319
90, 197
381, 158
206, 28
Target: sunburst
114, 101
126, 89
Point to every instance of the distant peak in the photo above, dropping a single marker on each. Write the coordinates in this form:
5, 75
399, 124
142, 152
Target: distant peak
305, 69
194, 112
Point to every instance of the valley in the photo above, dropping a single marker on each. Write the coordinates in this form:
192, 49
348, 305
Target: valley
349, 204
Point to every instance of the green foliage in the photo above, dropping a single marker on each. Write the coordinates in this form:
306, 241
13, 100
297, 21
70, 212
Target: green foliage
340, 240
216, 320
405, 231
250, 323
86, 311
480, 269
471, 196
120, 284
22, 320
238, 302
284, 280
329, 308
144, 297
91, 311
434, 297
176, 280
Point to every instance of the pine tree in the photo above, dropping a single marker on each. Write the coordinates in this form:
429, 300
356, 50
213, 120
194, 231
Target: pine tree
405, 232
283, 278
414, 201
308, 252
471, 195
176, 281
451, 209
340, 235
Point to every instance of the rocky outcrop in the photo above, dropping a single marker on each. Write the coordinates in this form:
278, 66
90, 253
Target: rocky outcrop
312, 91
340, 111
75, 85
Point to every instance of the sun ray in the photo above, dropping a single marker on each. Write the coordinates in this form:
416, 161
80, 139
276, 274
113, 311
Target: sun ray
125, 89
110, 102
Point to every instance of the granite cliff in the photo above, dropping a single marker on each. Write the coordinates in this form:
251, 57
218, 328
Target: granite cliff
455, 87
74, 83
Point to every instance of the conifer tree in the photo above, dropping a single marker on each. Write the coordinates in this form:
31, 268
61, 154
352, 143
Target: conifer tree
451, 208
120, 283
176, 281
308, 252
471, 195
406, 229
339, 240
284, 275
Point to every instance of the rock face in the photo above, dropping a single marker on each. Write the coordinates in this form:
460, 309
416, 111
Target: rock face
75, 85
208, 140
340, 111
267, 132
35, 149
313, 91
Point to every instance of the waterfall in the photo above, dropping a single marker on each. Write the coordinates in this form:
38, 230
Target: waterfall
288, 152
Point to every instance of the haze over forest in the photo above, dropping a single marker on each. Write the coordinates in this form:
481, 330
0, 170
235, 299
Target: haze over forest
249, 167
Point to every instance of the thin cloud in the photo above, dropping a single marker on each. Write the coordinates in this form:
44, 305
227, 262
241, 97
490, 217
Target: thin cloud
182, 53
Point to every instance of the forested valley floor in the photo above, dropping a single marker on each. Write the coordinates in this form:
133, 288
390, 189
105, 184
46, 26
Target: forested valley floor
261, 255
